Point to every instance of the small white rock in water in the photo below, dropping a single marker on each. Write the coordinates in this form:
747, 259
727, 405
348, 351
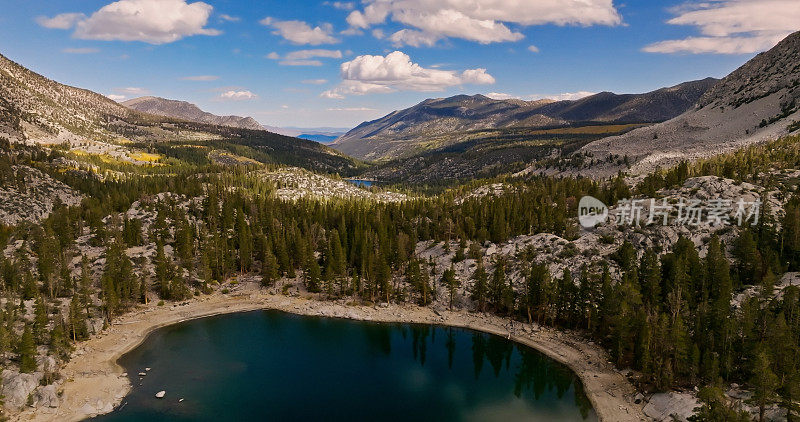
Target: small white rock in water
161, 394
180, 400
147, 369
142, 374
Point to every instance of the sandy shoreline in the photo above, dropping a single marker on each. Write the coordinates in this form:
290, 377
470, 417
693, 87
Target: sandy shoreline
94, 383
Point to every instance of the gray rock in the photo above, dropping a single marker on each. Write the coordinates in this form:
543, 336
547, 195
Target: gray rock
17, 387
46, 364
46, 396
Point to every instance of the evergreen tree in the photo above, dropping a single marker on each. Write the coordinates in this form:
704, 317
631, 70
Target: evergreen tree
450, 281
764, 383
164, 271
40, 321
78, 330
59, 343
313, 274
499, 289
27, 351
269, 267
480, 288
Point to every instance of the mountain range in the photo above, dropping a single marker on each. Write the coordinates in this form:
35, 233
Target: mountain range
438, 122
188, 111
34, 109
459, 137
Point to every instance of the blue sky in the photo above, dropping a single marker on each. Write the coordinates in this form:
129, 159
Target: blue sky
322, 63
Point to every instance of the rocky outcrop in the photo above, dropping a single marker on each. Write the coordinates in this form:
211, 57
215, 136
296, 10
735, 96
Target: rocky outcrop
46, 396
18, 387
671, 406
295, 183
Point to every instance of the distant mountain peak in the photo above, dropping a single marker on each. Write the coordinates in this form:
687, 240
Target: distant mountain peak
439, 121
188, 111
35, 109
758, 102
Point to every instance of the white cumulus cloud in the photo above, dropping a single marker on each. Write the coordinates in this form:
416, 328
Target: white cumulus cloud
62, 21
500, 96
237, 95
483, 21
228, 18
572, 96
132, 90
396, 72
299, 32
352, 109
150, 21
305, 57
115, 97
315, 81
732, 26
341, 5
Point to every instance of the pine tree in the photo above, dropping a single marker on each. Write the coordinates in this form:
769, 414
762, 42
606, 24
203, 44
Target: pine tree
450, 280
764, 383
59, 343
536, 287
715, 407
650, 274
269, 267
245, 241
76, 321
498, 285
164, 270
40, 321
27, 351
418, 279
85, 286
184, 241
313, 274
480, 286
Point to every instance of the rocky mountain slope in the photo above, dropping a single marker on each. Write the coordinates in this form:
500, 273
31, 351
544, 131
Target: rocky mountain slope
438, 122
188, 111
37, 110
760, 101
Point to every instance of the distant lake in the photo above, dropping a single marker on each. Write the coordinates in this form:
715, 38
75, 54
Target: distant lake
269, 365
323, 139
359, 182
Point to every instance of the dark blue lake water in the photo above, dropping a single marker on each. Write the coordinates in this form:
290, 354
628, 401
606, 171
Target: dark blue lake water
268, 365
359, 182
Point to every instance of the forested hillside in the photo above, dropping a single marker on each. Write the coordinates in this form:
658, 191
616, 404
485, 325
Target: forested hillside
680, 315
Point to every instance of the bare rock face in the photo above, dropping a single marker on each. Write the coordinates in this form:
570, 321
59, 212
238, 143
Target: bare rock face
46, 396
671, 406
758, 102
46, 364
17, 387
